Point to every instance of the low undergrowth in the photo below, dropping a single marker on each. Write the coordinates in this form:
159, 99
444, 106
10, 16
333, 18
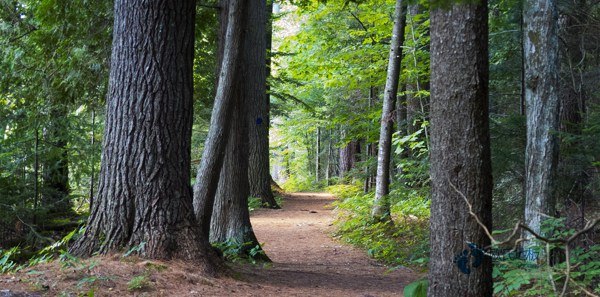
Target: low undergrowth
405, 241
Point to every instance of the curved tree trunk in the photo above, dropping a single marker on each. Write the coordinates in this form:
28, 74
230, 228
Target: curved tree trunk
231, 218
460, 151
144, 196
255, 50
207, 178
542, 109
381, 205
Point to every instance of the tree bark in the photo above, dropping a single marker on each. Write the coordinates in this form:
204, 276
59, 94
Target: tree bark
207, 178
349, 155
381, 205
460, 150
542, 109
230, 218
255, 50
144, 196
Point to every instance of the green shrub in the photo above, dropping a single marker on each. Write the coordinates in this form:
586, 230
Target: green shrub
405, 242
514, 276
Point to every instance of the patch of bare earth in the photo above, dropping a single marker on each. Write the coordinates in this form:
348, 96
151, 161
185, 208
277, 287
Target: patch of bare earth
306, 262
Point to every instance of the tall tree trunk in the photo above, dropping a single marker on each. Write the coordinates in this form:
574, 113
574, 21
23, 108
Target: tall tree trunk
401, 129
415, 101
207, 178
370, 148
255, 51
144, 195
542, 109
460, 151
381, 205
349, 155
231, 218
318, 154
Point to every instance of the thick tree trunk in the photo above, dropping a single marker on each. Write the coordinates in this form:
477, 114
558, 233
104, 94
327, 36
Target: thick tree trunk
255, 50
542, 109
144, 196
460, 151
381, 205
207, 178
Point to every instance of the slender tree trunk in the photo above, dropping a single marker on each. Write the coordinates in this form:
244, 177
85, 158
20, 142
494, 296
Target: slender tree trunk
318, 154
231, 218
55, 195
401, 130
144, 196
370, 148
36, 174
93, 169
460, 151
381, 205
541, 95
415, 103
255, 51
207, 178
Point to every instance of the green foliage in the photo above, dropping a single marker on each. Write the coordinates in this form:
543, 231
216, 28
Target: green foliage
416, 289
234, 251
514, 276
137, 249
7, 263
403, 242
139, 283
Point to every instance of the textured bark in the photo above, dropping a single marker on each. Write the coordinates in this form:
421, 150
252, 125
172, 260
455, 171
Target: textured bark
230, 217
144, 194
255, 50
542, 109
460, 149
207, 178
55, 194
349, 155
381, 205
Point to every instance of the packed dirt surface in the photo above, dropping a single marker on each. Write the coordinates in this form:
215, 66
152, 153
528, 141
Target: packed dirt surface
306, 262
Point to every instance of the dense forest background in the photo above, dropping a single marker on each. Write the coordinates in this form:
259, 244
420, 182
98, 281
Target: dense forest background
327, 72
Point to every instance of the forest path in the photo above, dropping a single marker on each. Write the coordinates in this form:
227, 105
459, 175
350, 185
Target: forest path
308, 262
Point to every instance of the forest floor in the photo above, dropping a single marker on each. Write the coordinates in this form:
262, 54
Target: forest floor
306, 262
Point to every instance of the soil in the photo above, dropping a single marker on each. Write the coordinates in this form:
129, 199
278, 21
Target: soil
306, 262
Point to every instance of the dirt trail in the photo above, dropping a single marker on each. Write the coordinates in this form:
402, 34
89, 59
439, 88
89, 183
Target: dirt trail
307, 262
